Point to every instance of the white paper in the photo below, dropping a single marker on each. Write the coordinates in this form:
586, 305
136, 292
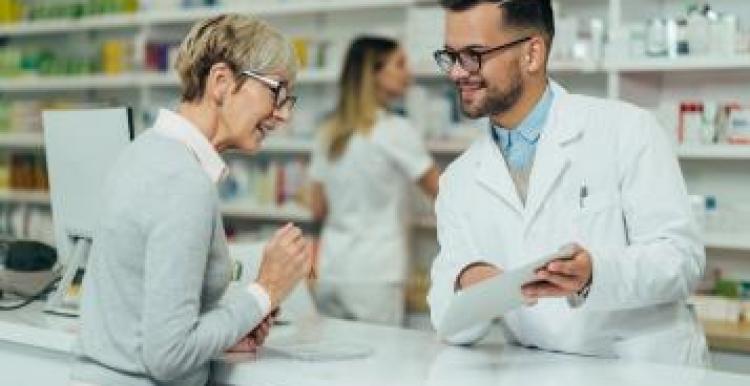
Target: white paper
493, 297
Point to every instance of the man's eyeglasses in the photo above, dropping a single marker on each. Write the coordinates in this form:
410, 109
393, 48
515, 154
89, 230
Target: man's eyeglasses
470, 60
282, 99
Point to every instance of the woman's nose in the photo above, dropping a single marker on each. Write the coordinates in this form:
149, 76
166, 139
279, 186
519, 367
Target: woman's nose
282, 115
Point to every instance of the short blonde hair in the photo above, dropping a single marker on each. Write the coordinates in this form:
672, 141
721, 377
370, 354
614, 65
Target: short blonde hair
241, 42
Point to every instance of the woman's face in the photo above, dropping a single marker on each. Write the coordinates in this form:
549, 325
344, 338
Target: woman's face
395, 77
250, 114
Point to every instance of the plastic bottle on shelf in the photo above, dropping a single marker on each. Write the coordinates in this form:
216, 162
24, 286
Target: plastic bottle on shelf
738, 125
697, 31
724, 31
597, 28
710, 112
637, 39
690, 123
698, 207
682, 43
656, 38
712, 215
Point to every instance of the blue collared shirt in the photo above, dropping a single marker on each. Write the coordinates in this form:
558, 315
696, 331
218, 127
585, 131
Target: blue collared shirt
519, 145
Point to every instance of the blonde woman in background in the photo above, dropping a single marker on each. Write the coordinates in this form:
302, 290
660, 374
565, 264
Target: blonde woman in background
157, 305
366, 160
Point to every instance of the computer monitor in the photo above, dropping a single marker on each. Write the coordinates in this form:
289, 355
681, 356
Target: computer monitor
81, 147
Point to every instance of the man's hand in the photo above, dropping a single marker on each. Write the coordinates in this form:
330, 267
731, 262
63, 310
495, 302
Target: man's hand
561, 278
476, 273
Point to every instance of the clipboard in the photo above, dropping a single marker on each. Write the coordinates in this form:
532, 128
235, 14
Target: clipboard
493, 297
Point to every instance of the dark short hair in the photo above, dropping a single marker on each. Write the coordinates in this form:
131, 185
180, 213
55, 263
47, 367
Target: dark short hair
536, 14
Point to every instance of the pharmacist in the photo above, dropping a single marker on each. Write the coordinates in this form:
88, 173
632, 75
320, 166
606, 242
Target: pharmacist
555, 168
366, 162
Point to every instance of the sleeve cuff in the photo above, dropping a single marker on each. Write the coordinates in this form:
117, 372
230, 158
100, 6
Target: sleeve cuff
421, 168
471, 335
261, 297
604, 271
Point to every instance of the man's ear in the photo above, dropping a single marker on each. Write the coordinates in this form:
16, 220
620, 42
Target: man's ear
536, 55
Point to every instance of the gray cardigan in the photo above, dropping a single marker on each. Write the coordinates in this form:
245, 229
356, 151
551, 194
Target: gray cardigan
157, 304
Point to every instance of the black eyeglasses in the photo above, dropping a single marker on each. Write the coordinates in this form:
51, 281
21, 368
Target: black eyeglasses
470, 60
282, 99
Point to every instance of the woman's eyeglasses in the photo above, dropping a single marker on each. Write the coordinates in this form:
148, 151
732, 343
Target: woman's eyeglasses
282, 99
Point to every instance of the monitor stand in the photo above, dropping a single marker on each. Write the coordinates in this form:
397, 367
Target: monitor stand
66, 298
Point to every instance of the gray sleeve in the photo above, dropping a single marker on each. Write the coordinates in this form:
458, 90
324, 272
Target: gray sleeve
177, 337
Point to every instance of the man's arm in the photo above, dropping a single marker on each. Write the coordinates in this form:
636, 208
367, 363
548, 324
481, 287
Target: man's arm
457, 252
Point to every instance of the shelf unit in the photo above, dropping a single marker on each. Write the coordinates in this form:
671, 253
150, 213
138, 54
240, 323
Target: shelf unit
714, 152
171, 80
738, 62
32, 197
14, 140
184, 16
124, 81
445, 147
250, 211
728, 241
727, 336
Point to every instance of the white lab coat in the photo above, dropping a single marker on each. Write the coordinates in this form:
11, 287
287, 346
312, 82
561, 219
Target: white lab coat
635, 222
364, 238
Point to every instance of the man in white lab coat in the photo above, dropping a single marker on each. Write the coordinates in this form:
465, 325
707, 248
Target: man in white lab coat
556, 168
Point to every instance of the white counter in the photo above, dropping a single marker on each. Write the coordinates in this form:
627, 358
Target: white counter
35, 349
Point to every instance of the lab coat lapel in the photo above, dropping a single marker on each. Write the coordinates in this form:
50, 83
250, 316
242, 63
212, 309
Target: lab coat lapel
552, 160
493, 175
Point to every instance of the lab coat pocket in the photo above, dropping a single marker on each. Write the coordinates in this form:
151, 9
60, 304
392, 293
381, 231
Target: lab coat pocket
599, 221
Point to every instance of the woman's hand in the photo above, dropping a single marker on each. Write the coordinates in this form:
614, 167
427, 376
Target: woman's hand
255, 339
287, 258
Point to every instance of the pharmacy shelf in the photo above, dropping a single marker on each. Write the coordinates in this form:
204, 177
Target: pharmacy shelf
250, 211
685, 152
428, 222
716, 152
21, 141
184, 16
558, 67
726, 336
126, 81
76, 82
71, 25
738, 62
25, 197
448, 146
157, 79
287, 146
740, 242
728, 241
170, 79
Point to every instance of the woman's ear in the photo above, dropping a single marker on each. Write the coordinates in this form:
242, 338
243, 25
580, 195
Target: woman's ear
219, 82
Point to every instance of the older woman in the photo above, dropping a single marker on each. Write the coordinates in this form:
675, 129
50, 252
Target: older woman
157, 305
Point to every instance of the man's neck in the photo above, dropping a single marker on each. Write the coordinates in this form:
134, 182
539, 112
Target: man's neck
525, 105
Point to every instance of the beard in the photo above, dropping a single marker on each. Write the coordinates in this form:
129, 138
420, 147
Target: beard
496, 101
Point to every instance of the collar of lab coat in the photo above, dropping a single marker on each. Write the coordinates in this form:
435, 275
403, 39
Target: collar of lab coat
172, 125
561, 129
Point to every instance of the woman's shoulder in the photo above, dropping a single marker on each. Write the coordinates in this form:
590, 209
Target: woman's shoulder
158, 158
390, 120
391, 127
